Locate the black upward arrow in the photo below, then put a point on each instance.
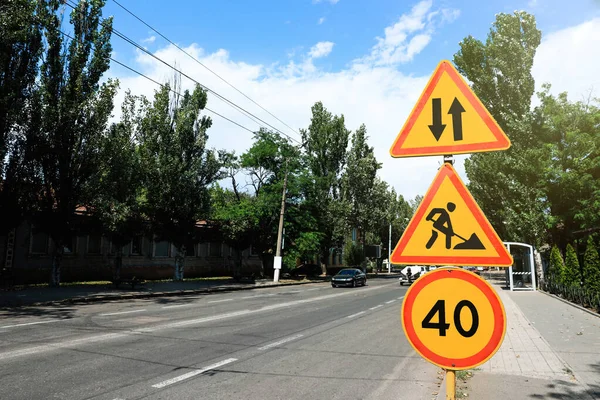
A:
(437, 128)
(456, 109)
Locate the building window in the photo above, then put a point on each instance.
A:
(190, 250)
(354, 234)
(70, 248)
(161, 249)
(136, 245)
(94, 244)
(215, 249)
(39, 243)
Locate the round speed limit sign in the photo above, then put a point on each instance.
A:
(453, 318)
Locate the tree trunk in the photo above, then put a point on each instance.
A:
(179, 263)
(539, 268)
(237, 268)
(56, 261)
(118, 264)
(323, 265)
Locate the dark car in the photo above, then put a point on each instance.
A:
(349, 277)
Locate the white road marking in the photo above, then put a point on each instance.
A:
(400, 298)
(193, 373)
(111, 336)
(48, 347)
(122, 312)
(355, 315)
(389, 302)
(219, 301)
(29, 323)
(373, 308)
(282, 341)
(178, 305)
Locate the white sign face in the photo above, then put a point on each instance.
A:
(277, 263)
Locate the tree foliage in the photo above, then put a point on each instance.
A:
(506, 184)
(21, 47)
(70, 113)
(591, 267)
(326, 142)
(178, 166)
(556, 268)
(572, 272)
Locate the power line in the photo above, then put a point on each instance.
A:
(199, 62)
(238, 108)
(163, 85)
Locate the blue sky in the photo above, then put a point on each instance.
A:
(269, 31)
(366, 60)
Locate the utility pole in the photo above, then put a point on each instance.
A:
(277, 261)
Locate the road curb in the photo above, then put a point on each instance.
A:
(130, 296)
(442, 392)
(571, 303)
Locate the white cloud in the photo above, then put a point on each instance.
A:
(150, 39)
(327, 1)
(321, 20)
(368, 91)
(321, 49)
(569, 59)
(410, 35)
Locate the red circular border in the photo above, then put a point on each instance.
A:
(499, 320)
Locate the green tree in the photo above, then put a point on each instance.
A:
(507, 184)
(326, 142)
(556, 268)
(353, 254)
(570, 133)
(234, 215)
(360, 183)
(591, 267)
(178, 166)
(114, 193)
(21, 47)
(72, 112)
(252, 217)
(572, 272)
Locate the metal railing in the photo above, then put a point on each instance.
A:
(576, 294)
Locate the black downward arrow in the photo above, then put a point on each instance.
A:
(456, 109)
(437, 128)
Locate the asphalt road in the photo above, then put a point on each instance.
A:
(298, 342)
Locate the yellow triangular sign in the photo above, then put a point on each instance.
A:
(448, 119)
(449, 228)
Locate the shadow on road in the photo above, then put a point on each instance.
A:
(571, 391)
(52, 312)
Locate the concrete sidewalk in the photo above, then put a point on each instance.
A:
(551, 351)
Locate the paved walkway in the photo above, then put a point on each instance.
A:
(551, 351)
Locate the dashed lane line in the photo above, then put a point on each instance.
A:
(356, 315)
(30, 323)
(282, 341)
(193, 373)
(219, 301)
(66, 344)
(122, 312)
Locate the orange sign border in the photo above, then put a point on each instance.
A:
(502, 141)
(454, 363)
(504, 259)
